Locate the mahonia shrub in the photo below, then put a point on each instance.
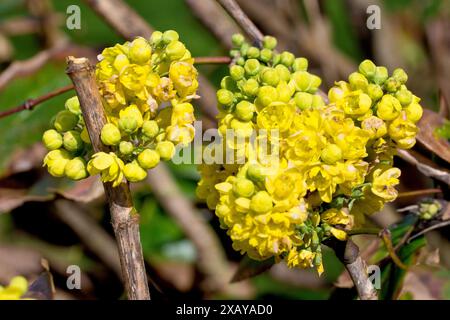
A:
(146, 88)
(334, 159)
(17, 287)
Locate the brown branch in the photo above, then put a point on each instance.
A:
(124, 218)
(31, 103)
(19, 26)
(212, 60)
(419, 192)
(348, 253)
(241, 18)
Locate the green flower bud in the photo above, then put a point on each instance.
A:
(244, 48)
(156, 37)
(225, 97)
(276, 59)
(56, 161)
(380, 76)
(300, 64)
(374, 91)
(75, 169)
(283, 72)
(368, 69)
(388, 108)
(237, 39)
(65, 121)
(126, 147)
(331, 154)
(400, 75)
(166, 150)
(133, 172)
(128, 124)
(255, 173)
(267, 95)
(253, 52)
(229, 84)
(269, 42)
(266, 55)
(261, 202)
(252, 67)
(110, 135)
(302, 80)
(285, 92)
(52, 139)
(72, 141)
(391, 85)
(270, 77)
(404, 96)
(315, 83)
(303, 100)
(250, 87)
(175, 50)
(287, 58)
(414, 112)
(240, 61)
(169, 36)
(244, 110)
(140, 51)
(150, 128)
(358, 81)
(237, 72)
(317, 101)
(243, 188)
(148, 159)
(73, 105)
(121, 62)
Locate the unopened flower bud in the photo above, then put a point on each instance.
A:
(391, 85)
(255, 173)
(253, 53)
(133, 172)
(317, 101)
(225, 97)
(110, 135)
(166, 150)
(374, 91)
(267, 95)
(65, 121)
(331, 154)
(75, 169)
(175, 50)
(126, 147)
(150, 128)
(250, 87)
(414, 112)
(72, 141)
(128, 124)
(52, 139)
(405, 97)
(388, 108)
(148, 159)
(237, 72)
(368, 69)
(252, 67)
(287, 58)
(156, 37)
(237, 39)
(300, 64)
(243, 188)
(261, 202)
(400, 75)
(380, 76)
(245, 110)
(169, 36)
(73, 105)
(121, 62)
(358, 81)
(302, 80)
(270, 77)
(303, 100)
(266, 55)
(269, 42)
(140, 51)
(283, 72)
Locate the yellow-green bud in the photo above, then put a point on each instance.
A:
(266, 55)
(65, 121)
(225, 97)
(380, 76)
(126, 147)
(52, 139)
(269, 42)
(244, 110)
(267, 95)
(140, 51)
(375, 126)
(317, 101)
(283, 72)
(400, 75)
(253, 52)
(358, 81)
(315, 83)
(175, 50)
(252, 67)
(75, 169)
(255, 173)
(391, 85)
(414, 112)
(244, 48)
(56, 161)
(156, 37)
(243, 188)
(120, 62)
(374, 91)
(150, 128)
(270, 77)
(73, 105)
(287, 58)
(85, 136)
(303, 100)
(368, 69)
(261, 202)
(388, 108)
(72, 141)
(302, 80)
(285, 92)
(250, 87)
(169, 36)
(331, 154)
(237, 39)
(133, 172)
(166, 149)
(237, 72)
(148, 159)
(240, 61)
(128, 124)
(110, 135)
(404, 96)
(229, 84)
(300, 64)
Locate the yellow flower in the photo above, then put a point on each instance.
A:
(285, 188)
(276, 116)
(355, 103)
(384, 182)
(184, 78)
(108, 165)
(17, 287)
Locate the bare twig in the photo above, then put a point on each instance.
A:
(348, 253)
(31, 103)
(433, 227)
(241, 18)
(125, 219)
(212, 60)
(19, 26)
(416, 193)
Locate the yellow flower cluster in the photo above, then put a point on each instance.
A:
(17, 287)
(146, 87)
(328, 164)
